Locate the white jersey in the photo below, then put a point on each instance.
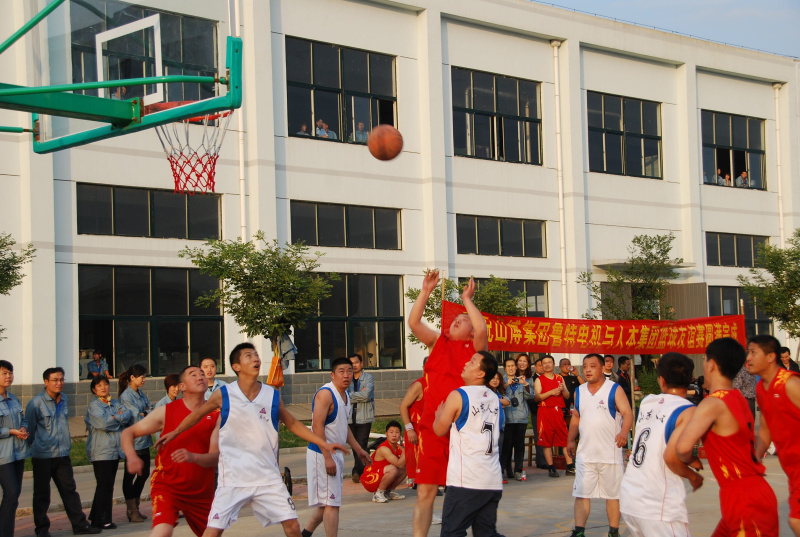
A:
(336, 423)
(599, 424)
(474, 457)
(649, 489)
(248, 437)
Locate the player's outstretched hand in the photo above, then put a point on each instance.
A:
(330, 466)
(696, 480)
(697, 464)
(134, 464)
(165, 439)
(364, 456)
(571, 449)
(337, 447)
(469, 290)
(182, 455)
(621, 440)
(430, 281)
(412, 436)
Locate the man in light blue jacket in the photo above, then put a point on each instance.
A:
(13, 449)
(362, 396)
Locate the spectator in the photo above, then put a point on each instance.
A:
(624, 377)
(608, 368)
(741, 180)
(134, 398)
(321, 131)
(786, 361)
(746, 383)
(48, 434)
(571, 380)
(172, 383)
(13, 449)
(97, 367)
(550, 392)
(533, 406)
(331, 135)
(360, 135)
(362, 396)
(727, 180)
(303, 130)
(388, 468)
(105, 419)
(518, 391)
(721, 181)
(209, 367)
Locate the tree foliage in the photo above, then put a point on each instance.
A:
(638, 290)
(491, 296)
(267, 288)
(11, 263)
(775, 283)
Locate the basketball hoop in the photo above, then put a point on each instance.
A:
(193, 167)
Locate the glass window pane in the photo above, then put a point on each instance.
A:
(739, 166)
(652, 158)
(529, 99)
(94, 209)
(727, 250)
(205, 341)
(170, 291)
(304, 222)
(131, 291)
(356, 76)
(612, 112)
(755, 127)
(511, 232)
(171, 49)
(173, 348)
(383, 112)
(722, 128)
(131, 212)
(387, 227)
(724, 166)
(714, 301)
(755, 166)
(307, 342)
(507, 100)
(298, 109)
(389, 296)
(633, 116)
(365, 342)
(483, 91)
(739, 124)
(330, 225)
(596, 152)
(95, 334)
(534, 238)
(511, 140)
(390, 344)
(488, 238)
(613, 153)
(744, 251)
(326, 114)
(169, 215)
(85, 23)
(536, 298)
(463, 133)
(203, 216)
(361, 290)
(381, 74)
(333, 342)
(199, 285)
(465, 234)
(707, 126)
(530, 142)
(633, 155)
(95, 287)
(462, 87)
(730, 301)
(594, 103)
(358, 124)
(199, 43)
(712, 249)
(326, 65)
(651, 124)
(709, 166)
(131, 344)
(484, 144)
(336, 304)
(360, 231)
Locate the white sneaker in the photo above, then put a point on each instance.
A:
(518, 476)
(380, 497)
(436, 520)
(524, 476)
(395, 496)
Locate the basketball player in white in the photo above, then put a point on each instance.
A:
(474, 479)
(652, 495)
(603, 417)
(248, 446)
(324, 469)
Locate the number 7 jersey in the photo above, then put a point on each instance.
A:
(474, 456)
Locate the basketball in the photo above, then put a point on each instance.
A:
(385, 142)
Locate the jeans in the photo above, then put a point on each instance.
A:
(513, 439)
(133, 484)
(361, 433)
(11, 483)
(105, 473)
(59, 469)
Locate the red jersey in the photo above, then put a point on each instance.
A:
(783, 418)
(372, 475)
(443, 373)
(415, 410)
(185, 478)
(557, 381)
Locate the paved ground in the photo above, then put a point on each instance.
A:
(539, 507)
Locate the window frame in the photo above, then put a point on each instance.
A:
(753, 239)
(346, 225)
(499, 222)
(753, 325)
(731, 148)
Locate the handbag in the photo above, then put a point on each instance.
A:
(275, 375)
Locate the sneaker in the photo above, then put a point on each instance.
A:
(524, 476)
(518, 476)
(570, 469)
(505, 481)
(436, 520)
(86, 530)
(439, 492)
(392, 495)
(576, 533)
(356, 478)
(380, 497)
(553, 472)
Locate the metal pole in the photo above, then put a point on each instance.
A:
(112, 84)
(30, 24)
(14, 130)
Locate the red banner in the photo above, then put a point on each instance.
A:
(581, 336)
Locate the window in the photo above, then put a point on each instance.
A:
(728, 250)
(364, 314)
(147, 316)
(534, 294)
(351, 226)
(624, 135)
(734, 301)
(188, 47)
(510, 237)
(733, 150)
(338, 93)
(139, 212)
(496, 117)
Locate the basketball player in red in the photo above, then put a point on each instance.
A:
(550, 392)
(724, 422)
(388, 467)
(177, 486)
(778, 396)
(443, 369)
(411, 412)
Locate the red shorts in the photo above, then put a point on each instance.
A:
(411, 457)
(432, 454)
(371, 478)
(552, 428)
(749, 509)
(794, 492)
(167, 504)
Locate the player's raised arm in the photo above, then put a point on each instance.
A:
(446, 413)
(214, 403)
(702, 420)
(152, 423)
(480, 335)
(423, 332)
(671, 456)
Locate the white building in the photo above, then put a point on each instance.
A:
(617, 127)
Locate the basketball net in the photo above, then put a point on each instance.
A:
(194, 167)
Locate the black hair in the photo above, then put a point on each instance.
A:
(208, 358)
(50, 370)
(340, 361)
(4, 364)
(548, 356)
(173, 379)
(527, 373)
(97, 380)
(136, 370)
(184, 370)
(500, 388)
(676, 369)
(488, 366)
(237, 352)
(356, 355)
(607, 356)
(565, 358)
(600, 359)
(623, 360)
(393, 423)
(768, 344)
(728, 354)
(783, 349)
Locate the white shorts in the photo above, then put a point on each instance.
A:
(271, 505)
(597, 480)
(644, 527)
(324, 489)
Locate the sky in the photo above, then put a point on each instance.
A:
(769, 25)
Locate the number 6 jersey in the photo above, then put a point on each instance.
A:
(474, 459)
(649, 489)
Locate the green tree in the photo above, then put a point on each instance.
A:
(11, 263)
(491, 296)
(267, 288)
(775, 283)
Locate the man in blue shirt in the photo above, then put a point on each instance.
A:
(98, 366)
(50, 441)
